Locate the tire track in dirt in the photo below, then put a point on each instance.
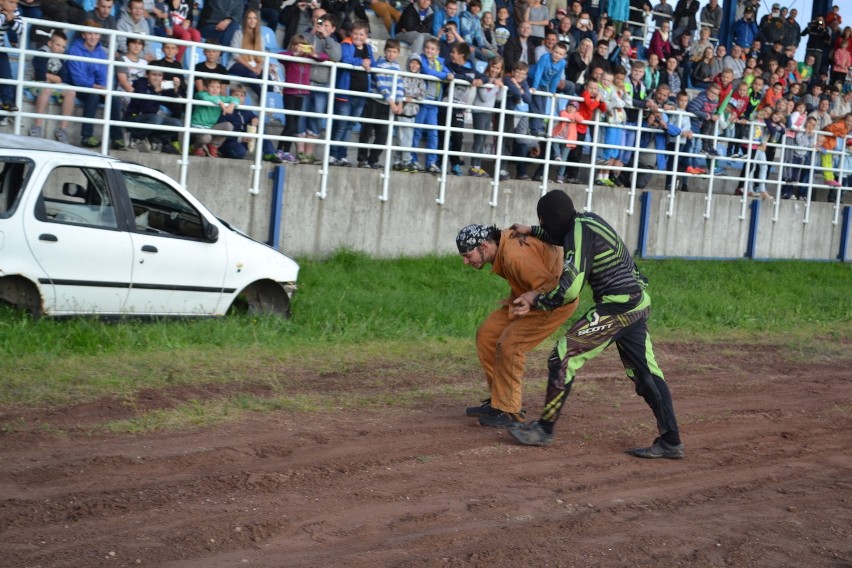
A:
(766, 483)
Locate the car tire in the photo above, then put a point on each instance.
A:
(262, 298)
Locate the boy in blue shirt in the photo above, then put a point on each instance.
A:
(434, 66)
(390, 87)
(355, 51)
(546, 75)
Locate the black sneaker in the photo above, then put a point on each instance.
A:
(483, 409)
(9, 106)
(659, 449)
(711, 152)
(531, 434)
(501, 420)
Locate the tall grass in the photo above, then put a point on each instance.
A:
(418, 312)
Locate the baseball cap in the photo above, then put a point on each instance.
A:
(776, 6)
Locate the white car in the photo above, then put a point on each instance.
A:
(82, 233)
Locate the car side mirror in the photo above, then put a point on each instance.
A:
(211, 231)
(71, 189)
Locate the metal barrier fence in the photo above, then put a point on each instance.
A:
(593, 145)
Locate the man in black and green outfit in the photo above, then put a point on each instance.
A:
(594, 253)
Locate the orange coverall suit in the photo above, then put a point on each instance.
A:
(503, 341)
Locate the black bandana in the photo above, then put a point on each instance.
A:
(555, 213)
(472, 236)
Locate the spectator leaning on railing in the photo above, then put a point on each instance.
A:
(390, 87)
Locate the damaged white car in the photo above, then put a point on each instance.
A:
(82, 233)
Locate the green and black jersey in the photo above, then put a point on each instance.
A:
(594, 253)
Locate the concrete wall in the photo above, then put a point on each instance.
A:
(411, 223)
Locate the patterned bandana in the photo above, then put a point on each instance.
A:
(471, 237)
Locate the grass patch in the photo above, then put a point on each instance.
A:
(377, 319)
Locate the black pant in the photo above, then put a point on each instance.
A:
(593, 333)
(90, 108)
(291, 125)
(377, 132)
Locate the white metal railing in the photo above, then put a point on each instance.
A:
(593, 145)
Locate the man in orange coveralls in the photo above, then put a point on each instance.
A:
(503, 340)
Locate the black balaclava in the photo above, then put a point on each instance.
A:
(555, 213)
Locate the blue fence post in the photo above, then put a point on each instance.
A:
(751, 245)
(644, 223)
(276, 206)
(843, 255)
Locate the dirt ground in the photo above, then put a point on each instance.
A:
(767, 480)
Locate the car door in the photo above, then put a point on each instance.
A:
(178, 268)
(76, 237)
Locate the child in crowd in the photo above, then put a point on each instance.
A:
(835, 141)
(795, 124)
(414, 89)
(612, 96)
(434, 66)
(242, 119)
(652, 72)
(813, 97)
(704, 109)
(682, 121)
(801, 156)
(390, 87)
(486, 98)
(565, 132)
(211, 64)
(179, 25)
(127, 75)
(772, 96)
(758, 165)
(298, 75)
(357, 52)
(10, 21)
(806, 68)
(592, 101)
(324, 47)
(503, 28)
(519, 99)
(545, 76)
(740, 101)
(461, 67)
(210, 117)
(172, 69)
(146, 110)
(54, 72)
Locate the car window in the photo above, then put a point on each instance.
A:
(14, 173)
(77, 196)
(159, 209)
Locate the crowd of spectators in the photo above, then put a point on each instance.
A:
(631, 61)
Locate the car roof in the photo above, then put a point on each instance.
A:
(29, 143)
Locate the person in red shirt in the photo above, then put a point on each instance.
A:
(772, 96)
(591, 102)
